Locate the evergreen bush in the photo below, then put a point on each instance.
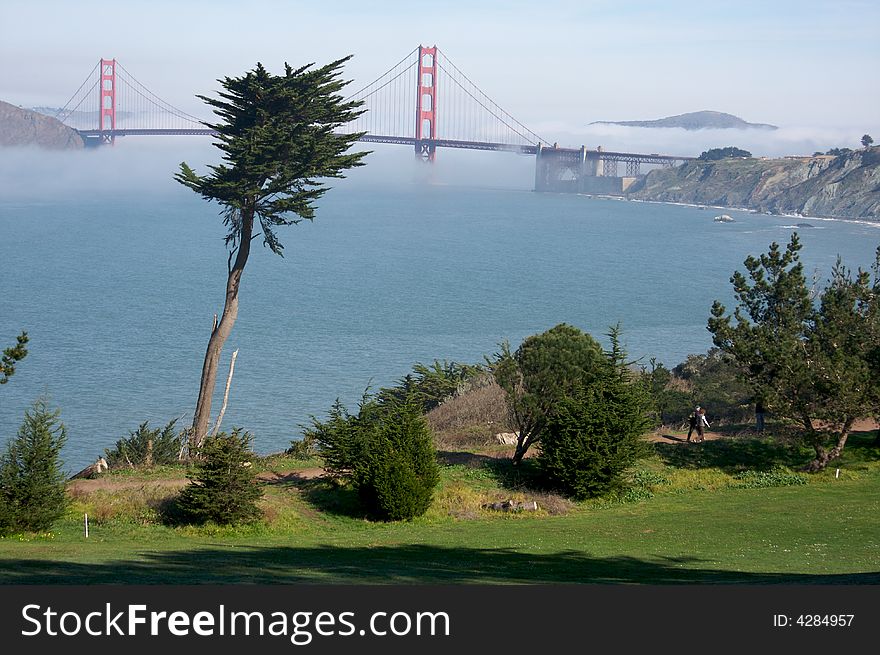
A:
(385, 451)
(32, 484)
(545, 368)
(340, 439)
(396, 477)
(146, 447)
(224, 487)
(303, 449)
(593, 436)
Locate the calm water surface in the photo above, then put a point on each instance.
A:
(118, 292)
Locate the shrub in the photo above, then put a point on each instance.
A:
(429, 386)
(145, 447)
(543, 370)
(384, 451)
(776, 477)
(304, 448)
(711, 380)
(593, 436)
(7, 518)
(32, 485)
(340, 439)
(714, 154)
(396, 477)
(472, 417)
(224, 488)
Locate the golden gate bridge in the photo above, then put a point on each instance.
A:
(424, 101)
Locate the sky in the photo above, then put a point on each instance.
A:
(807, 66)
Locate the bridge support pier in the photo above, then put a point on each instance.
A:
(565, 170)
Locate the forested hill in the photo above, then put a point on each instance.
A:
(847, 186)
(695, 120)
(21, 127)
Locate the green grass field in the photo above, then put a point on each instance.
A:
(707, 513)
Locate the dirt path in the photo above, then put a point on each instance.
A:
(116, 483)
(290, 476)
(669, 436)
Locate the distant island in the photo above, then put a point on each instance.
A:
(22, 127)
(696, 120)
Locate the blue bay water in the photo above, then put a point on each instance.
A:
(117, 290)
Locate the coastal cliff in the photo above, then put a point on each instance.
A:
(847, 186)
(21, 127)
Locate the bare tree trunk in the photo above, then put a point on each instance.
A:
(221, 332)
(522, 445)
(216, 429)
(823, 456)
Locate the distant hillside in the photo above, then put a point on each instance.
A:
(696, 120)
(847, 186)
(22, 127)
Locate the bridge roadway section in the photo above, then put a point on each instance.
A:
(556, 169)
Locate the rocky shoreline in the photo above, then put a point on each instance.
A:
(845, 187)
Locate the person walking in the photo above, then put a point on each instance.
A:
(701, 421)
(692, 421)
(759, 415)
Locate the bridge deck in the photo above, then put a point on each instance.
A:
(564, 153)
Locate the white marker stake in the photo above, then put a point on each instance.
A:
(86, 524)
(837, 475)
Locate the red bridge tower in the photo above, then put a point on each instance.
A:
(108, 99)
(426, 103)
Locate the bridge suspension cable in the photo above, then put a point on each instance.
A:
(487, 121)
(464, 112)
(424, 101)
(65, 112)
(387, 111)
(137, 99)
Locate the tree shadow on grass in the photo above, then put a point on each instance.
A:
(463, 458)
(731, 455)
(402, 564)
(757, 454)
(525, 476)
(329, 496)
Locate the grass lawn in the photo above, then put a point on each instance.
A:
(707, 513)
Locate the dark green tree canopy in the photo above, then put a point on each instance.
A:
(278, 142)
(773, 314)
(594, 435)
(545, 368)
(715, 154)
(32, 489)
(809, 360)
(11, 356)
(224, 488)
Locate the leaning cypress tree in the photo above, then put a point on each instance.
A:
(277, 134)
(32, 490)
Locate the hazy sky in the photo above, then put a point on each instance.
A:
(556, 66)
